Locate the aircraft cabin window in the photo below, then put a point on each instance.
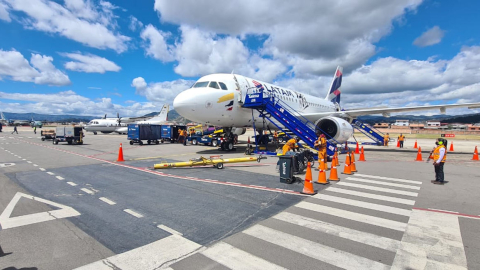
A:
(224, 87)
(200, 84)
(214, 85)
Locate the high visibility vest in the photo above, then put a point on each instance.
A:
(275, 134)
(436, 153)
(386, 138)
(401, 138)
(291, 143)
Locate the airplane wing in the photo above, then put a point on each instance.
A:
(386, 111)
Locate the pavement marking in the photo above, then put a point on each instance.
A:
(235, 258)
(87, 191)
(447, 212)
(29, 162)
(371, 196)
(339, 231)
(133, 213)
(381, 222)
(35, 165)
(432, 241)
(367, 205)
(12, 222)
(389, 178)
(314, 250)
(42, 169)
(71, 184)
(170, 230)
(382, 183)
(60, 178)
(387, 190)
(51, 173)
(439, 210)
(24, 159)
(107, 200)
(157, 255)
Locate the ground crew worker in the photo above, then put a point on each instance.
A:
(15, 129)
(290, 145)
(81, 137)
(275, 136)
(401, 138)
(321, 145)
(35, 129)
(386, 138)
(439, 158)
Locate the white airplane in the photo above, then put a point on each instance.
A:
(109, 125)
(159, 119)
(217, 100)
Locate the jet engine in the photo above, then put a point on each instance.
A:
(336, 128)
(239, 131)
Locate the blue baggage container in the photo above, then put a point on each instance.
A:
(136, 133)
(170, 132)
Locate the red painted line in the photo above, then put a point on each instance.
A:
(174, 176)
(447, 212)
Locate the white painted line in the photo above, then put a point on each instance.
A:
(343, 232)
(366, 205)
(157, 255)
(235, 258)
(71, 184)
(87, 191)
(60, 178)
(371, 196)
(444, 210)
(314, 250)
(29, 162)
(133, 213)
(382, 222)
(389, 178)
(24, 159)
(35, 165)
(107, 201)
(42, 169)
(258, 186)
(51, 173)
(381, 183)
(387, 190)
(231, 182)
(432, 240)
(170, 230)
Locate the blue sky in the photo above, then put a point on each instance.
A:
(92, 57)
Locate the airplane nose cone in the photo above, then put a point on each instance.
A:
(185, 104)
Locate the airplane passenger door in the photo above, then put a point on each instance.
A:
(243, 86)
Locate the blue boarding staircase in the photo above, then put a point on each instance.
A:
(369, 131)
(287, 118)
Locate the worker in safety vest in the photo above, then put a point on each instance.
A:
(401, 138)
(290, 145)
(439, 158)
(321, 145)
(275, 136)
(386, 138)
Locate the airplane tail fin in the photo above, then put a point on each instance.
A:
(2, 117)
(163, 115)
(333, 94)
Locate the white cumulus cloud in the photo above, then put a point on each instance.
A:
(4, 13)
(430, 37)
(89, 63)
(157, 46)
(160, 91)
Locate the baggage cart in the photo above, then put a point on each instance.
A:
(71, 135)
(138, 133)
(48, 134)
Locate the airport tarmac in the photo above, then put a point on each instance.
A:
(67, 207)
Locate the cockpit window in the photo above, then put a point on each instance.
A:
(200, 84)
(214, 85)
(224, 87)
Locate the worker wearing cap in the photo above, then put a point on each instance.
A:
(386, 138)
(401, 138)
(439, 158)
(290, 145)
(321, 145)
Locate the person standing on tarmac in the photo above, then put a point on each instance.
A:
(321, 145)
(290, 145)
(401, 138)
(386, 138)
(35, 129)
(15, 129)
(185, 134)
(439, 158)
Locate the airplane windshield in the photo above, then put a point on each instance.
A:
(224, 87)
(200, 84)
(214, 85)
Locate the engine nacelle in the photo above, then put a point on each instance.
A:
(336, 128)
(239, 131)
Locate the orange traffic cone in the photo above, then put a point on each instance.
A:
(120, 154)
(362, 155)
(308, 186)
(416, 146)
(451, 147)
(419, 154)
(336, 159)
(475, 154)
(357, 149)
(248, 140)
(398, 143)
(352, 163)
(333, 172)
(321, 164)
(322, 178)
(347, 169)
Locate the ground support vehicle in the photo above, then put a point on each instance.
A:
(170, 133)
(71, 135)
(138, 133)
(48, 134)
(203, 139)
(216, 161)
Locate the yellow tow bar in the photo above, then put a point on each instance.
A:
(216, 161)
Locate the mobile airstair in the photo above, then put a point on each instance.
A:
(369, 131)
